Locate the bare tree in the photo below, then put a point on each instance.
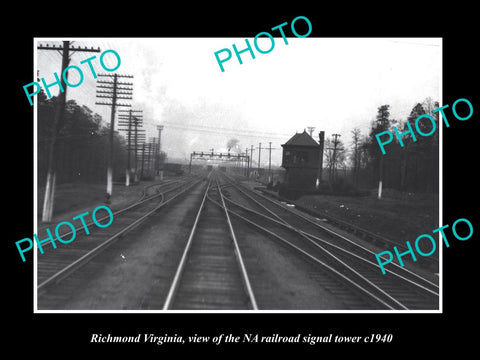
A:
(355, 155)
(334, 155)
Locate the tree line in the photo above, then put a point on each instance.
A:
(82, 144)
(411, 168)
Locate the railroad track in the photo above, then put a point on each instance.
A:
(153, 189)
(211, 273)
(340, 258)
(375, 239)
(59, 263)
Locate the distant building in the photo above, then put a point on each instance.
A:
(301, 159)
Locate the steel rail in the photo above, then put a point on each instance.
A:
(136, 204)
(354, 271)
(183, 261)
(376, 238)
(341, 262)
(374, 264)
(312, 236)
(95, 251)
(181, 266)
(327, 230)
(311, 257)
(165, 182)
(238, 253)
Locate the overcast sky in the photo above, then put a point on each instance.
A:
(333, 84)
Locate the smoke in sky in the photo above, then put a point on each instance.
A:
(233, 145)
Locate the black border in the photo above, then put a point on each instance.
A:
(49, 334)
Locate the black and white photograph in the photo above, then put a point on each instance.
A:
(231, 187)
(209, 181)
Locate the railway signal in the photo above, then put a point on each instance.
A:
(196, 155)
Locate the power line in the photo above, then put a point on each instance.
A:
(226, 131)
(64, 50)
(114, 86)
(130, 124)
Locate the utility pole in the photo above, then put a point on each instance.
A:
(259, 150)
(190, 164)
(241, 161)
(65, 51)
(154, 157)
(270, 162)
(129, 145)
(251, 157)
(151, 156)
(247, 170)
(159, 172)
(149, 150)
(143, 161)
(380, 176)
(153, 148)
(137, 122)
(130, 124)
(114, 90)
(321, 138)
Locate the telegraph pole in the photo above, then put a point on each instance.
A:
(334, 159)
(149, 150)
(143, 160)
(114, 90)
(380, 176)
(251, 157)
(380, 179)
(248, 163)
(269, 161)
(321, 137)
(65, 51)
(129, 144)
(151, 156)
(159, 172)
(259, 150)
(130, 123)
(137, 122)
(190, 164)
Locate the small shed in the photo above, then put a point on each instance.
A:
(301, 159)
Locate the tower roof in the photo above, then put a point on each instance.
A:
(301, 139)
